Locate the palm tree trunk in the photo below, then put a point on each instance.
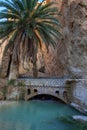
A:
(35, 71)
(13, 71)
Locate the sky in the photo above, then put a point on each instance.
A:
(1, 7)
(3, 0)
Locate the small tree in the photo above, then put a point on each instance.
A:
(27, 25)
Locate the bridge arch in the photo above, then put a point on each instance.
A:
(45, 97)
(42, 93)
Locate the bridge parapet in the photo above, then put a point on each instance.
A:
(42, 82)
(48, 82)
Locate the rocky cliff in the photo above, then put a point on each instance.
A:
(70, 57)
(75, 37)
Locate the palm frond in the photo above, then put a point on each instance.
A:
(9, 6)
(28, 24)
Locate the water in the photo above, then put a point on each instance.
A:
(36, 115)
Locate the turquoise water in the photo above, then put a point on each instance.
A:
(35, 115)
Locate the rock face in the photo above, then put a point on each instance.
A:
(5, 66)
(70, 57)
(4, 61)
(75, 36)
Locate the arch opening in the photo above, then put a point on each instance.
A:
(57, 92)
(28, 91)
(35, 90)
(45, 97)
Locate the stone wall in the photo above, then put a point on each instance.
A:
(77, 90)
(80, 92)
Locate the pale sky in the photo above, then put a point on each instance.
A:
(3, 0)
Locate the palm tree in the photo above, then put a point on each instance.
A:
(27, 24)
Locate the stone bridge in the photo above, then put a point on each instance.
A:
(50, 86)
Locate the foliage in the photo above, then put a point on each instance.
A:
(21, 83)
(11, 82)
(27, 25)
(4, 91)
